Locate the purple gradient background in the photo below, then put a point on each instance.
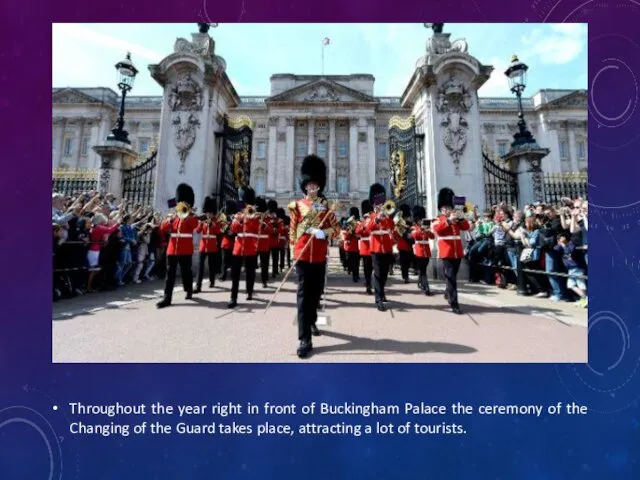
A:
(34, 440)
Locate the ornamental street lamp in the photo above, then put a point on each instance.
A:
(126, 77)
(517, 75)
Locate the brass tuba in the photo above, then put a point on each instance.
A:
(183, 210)
(388, 208)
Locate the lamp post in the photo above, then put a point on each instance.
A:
(126, 77)
(517, 75)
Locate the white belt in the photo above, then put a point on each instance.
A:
(249, 235)
(452, 237)
(381, 232)
(422, 242)
(181, 235)
(263, 236)
(209, 236)
(366, 239)
(282, 238)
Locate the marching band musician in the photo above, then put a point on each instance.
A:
(341, 251)
(283, 239)
(264, 240)
(274, 238)
(246, 227)
(447, 228)
(351, 247)
(421, 234)
(364, 245)
(402, 236)
(209, 229)
(226, 244)
(380, 228)
(180, 249)
(313, 224)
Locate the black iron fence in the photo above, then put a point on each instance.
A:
(74, 181)
(138, 182)
(500, 184)
(566, 184)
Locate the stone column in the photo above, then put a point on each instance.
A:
(353, 154)
(290, 149)
(572, 148)
(271, 155)
(80, 141)
(528, 164)
(63, 126)
(113, 157)
(311, 143)
(371, 149)
(331, 187)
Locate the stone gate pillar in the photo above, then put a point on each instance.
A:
(113, 158)
(197, 96)
(443, 96)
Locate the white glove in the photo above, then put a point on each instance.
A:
(319, 234)
(311, 230)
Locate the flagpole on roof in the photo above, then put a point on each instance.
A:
(325, 42)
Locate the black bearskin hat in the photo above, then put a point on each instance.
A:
(366, 207)
(418, 213)
(272, 205)
(313, 169)
(261, 204)
(248, 196)
(376, 190)
(445, 198)
(184, 194)
(280, 213)
(406, 210)
(353, 212)
(210, 205)
(230, 207)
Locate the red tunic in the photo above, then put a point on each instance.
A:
(350, 241)
(276, 228)
(283, 235)
(403, 245)
(448, 236)
(308, 213)
(381, 233)
(421, 248)
(264, 241)
(181, 231)
(364, 242)
(227, 239)
(208, 240)
(246, 230)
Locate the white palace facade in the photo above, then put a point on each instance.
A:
(337, 117)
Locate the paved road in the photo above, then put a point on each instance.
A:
(498, 326)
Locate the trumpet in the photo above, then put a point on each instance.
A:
(388, 208)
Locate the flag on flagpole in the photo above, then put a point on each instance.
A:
(326, 41)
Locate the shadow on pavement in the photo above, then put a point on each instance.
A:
(388, 345)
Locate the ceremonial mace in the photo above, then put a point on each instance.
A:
(286, 276)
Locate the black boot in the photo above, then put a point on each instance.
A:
(456, 309)
(304, 349)
(369, 291)
(232, 303)
(197, 290)
(163, 303)
(250, 296)
(314, 331)
(188, 296)
(381, 306)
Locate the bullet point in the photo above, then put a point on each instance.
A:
(55, 407)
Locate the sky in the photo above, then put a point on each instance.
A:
(84, 55)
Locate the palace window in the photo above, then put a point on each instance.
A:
(343, 185)
(143, 145)
(581, 150)
(322, 149)
(503, 147)
(382, 151)
(260, 186)
(302, 147)
(260, 150)
(85, 146)
(563, 150)
(342, 149)
(68, 147)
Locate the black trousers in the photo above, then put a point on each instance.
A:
(275, 253)
(185, 270)
(381, 264)
(423, 281)
(212, 260)
(343, 257)
(217, 262)
(264, 266)
(450, 267)
(367, 266)
(310, 288)
(288, 250)
(353, 262)
(227, 261)
(250, 264)
(405, 262)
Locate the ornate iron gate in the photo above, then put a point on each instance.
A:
(138, 182)
(402, 160)
(236, 157)
(500, 184)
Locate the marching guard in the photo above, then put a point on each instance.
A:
(264, 239)
(313, 224)
(283, 239)
(226, 243)
(180, 249)
(209, 229)
(276, 226)
(380, 227)
(246, 227)
(421, 233)
(404, 241)
(447, 228)
(351, 247)
(364, 245)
